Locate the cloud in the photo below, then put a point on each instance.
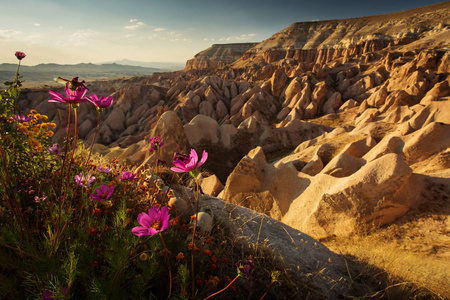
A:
(136, 25)
(37, 24)
(81, 34)
(8, 34)
(244, 37)
(159, 29)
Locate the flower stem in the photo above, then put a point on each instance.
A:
(168, 262)
(216, 293)
(93, 140)
(193, 236)
(267, 290)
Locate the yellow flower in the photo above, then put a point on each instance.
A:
(49, 133)
(44, 126)
(52, 125)
(35, 144)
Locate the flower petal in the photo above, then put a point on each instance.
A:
(204, 158)
(140, 231)
(144, 220)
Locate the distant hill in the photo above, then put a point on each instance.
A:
(168, 66)
(44, 74)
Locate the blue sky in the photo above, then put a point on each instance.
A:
(69, 32)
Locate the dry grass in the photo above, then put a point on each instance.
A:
(419, 264)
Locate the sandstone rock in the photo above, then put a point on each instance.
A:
(350, 103)
(332, 104)
(441, 89)
(399, 114)
(343, 165)
(389, 144)
(367, 116)
(426, 142)
(250, 124)
(171, 130)
(278, 81)
(437, 111)
(314, 166)
(211, 185)
(378, 98)
(247, 175)
(371, 197)
(116, 120)
(360, 147)
(202, 127)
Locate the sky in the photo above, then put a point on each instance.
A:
(97, 31)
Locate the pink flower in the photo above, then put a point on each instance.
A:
(127, 176)
(102, 102)
(81, 179)
(155, 221)
(156, 142)
(102, 193)
(20, 55)
(189, 164)
(103, 170)
(21, 118)
(74, 90)
(54, 149)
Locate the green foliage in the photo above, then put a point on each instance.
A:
(55, 240)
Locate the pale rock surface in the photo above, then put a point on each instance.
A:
(427, 141)
(343, 165)
(202, 127)
(371, 197)
(314, 166)
(211, 185)
(389, 144)
(360, 147)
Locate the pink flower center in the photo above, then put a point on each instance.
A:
(156, 225)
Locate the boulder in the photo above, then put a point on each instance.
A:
(343, 165)
(426, 142)
(211, 185)
(360, 147)
(202, 127)
(300, 254)
(373, 196)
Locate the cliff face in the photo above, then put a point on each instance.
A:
(218, 55)
(324, 41)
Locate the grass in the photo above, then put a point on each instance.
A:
(407, 273)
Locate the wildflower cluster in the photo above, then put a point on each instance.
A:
(35, 127)
(72, 228)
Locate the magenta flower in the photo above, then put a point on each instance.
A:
(81, 179)
(54, 149)
(155, 221)
(21, 118)
(127, 176)
(189, 164)
(37, 199)
(20, 55)
(103, 170)
(102, 193)
(74, 90)
(245, 268)
(156, 143)
(102, 102)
